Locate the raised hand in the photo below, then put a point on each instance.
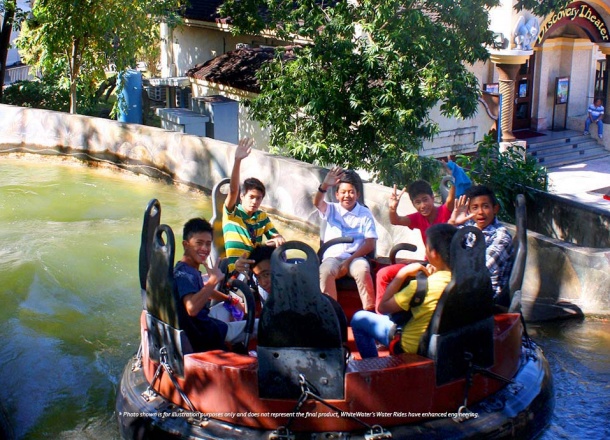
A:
(333, 177)
(395, 198)
(460, 215)
(215, 274)
(244, 147)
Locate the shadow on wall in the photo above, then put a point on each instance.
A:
(568, 220)
(568, 262)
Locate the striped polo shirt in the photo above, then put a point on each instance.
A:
(242, 232)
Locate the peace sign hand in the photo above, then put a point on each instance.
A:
(395, 198)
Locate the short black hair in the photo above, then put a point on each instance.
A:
(419, 187)
(253, 183)
(481, 190)
(195, 226)
(261, 253)
(439, 238)
(351, 177)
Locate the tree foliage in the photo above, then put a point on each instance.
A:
(507, 173)
(46, 94)
(359, 94)
(79, 39)
(542, 8)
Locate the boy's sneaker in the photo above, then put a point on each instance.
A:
(601, 137)
(585, 133)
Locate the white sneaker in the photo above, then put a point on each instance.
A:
(601, 137)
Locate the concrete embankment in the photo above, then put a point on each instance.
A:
(568, 257)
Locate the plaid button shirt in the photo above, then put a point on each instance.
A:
(498, 255)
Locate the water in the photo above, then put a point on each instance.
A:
(579, 355)
(69, 291)
(70, 303)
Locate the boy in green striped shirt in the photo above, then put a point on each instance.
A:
(243, 223)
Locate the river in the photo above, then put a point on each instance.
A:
(70, 303)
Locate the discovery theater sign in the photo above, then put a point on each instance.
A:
(580, 14)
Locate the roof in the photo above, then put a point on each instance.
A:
(204, 10)
(236, 68)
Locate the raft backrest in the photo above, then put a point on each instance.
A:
(163, 309)
(445, 186)
(299, 331)
(219, 195)
(463, 319)
(519, 247)
(152, 219)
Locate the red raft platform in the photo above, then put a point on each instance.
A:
(477, 374)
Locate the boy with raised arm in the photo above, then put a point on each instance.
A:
(346, 218)
(243, 223)
(422, 198)
(427, 214)
(479, 207)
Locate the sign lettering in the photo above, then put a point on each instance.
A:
(576, 11)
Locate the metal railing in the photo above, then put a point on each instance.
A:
(14, 74)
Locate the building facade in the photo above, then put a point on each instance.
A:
(542, 74)
(15, 69)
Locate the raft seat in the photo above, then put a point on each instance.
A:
(403, 360)
(300, 335)
(221, 359)
(226, 383)
(461, 330)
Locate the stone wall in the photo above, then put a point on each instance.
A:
(563, 279)
(568, 255)
(569, 220)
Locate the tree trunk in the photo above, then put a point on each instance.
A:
(73, 96)
(74, 72)
(10, 7)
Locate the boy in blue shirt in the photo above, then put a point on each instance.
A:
(346, 218)
(196, 290)
(479, 207)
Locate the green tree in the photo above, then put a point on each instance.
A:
(8, 9)
(79, 39)
(359, 91)
(507, 173)
(541, 8)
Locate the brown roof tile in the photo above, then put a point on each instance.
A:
(236, 68)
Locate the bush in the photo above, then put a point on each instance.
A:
(37, 94)
(507, 173)
(47, 93)
(412, 167)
